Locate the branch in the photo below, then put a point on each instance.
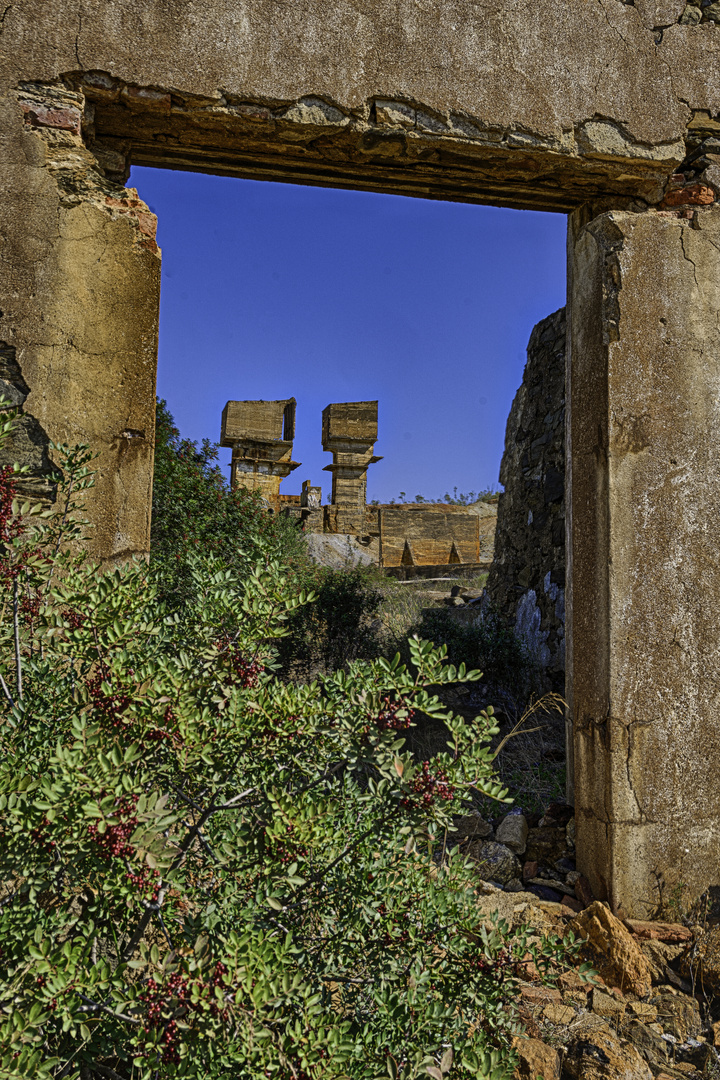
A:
(6, 692)
(326, 870)
(231, 802)
(97, 1006)
(16, 629)
(105, 1070)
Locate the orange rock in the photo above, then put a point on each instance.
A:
(658, 931)
(536, 1060)
(612, 950)
(690, 195)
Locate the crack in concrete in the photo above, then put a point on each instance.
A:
(2, 17)
(77, 43)
(611, 25)
(687, 257)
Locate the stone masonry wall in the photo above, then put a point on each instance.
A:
(527, 579)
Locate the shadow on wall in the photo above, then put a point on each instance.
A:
(526, 584)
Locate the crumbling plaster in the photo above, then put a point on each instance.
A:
(535, 104)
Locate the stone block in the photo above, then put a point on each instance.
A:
(614, 953)
(495, 862)
(512, 831)
(40, 115)
(536, 1059)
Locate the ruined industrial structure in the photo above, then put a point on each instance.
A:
(608, 112)
(408, 538)
(261, 435)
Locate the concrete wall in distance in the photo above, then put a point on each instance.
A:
(426, 535)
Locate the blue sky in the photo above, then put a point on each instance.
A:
(278, 290)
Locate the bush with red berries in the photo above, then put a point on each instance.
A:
(210, 872)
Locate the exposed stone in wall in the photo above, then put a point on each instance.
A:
(28, 443)
(527, 579)
(152, 126)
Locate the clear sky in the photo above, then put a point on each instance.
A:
(276, 290)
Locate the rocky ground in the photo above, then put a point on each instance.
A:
(652, 1010)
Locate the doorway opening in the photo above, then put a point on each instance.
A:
(339, 298)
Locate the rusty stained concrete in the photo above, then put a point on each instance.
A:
(81, 286)
(535, 104)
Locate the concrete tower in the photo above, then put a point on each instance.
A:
(261, 435)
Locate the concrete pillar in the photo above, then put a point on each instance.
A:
(643, 553)
(79, 301)
(349, 431)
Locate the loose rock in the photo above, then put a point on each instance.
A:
(495, 861)
(536, 1059)
(658, 931)
(599, 1055)
(607, 1006)
(471, 826)
(659, 955)
(617, 957)
(546, 845)
(559, 1014)
(650, 1044)
(679, 1015)
(644, 1011)
(512, 831)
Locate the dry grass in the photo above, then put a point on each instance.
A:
(404, 601)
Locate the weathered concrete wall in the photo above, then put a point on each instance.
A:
(261, 435)
(526, 583)
(349, 431)
(80, 292)
(535, 104)
(644, 604)
(427, 535)
(551, 103)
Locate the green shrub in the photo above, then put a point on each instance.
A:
(338, 627)
(194, 510)
(488, 644)
(208, 872)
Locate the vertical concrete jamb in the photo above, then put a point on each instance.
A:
(643, 567)
(79, 301)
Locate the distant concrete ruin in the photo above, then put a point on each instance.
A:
(261, 435)
(349, 431)
(408, 539)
